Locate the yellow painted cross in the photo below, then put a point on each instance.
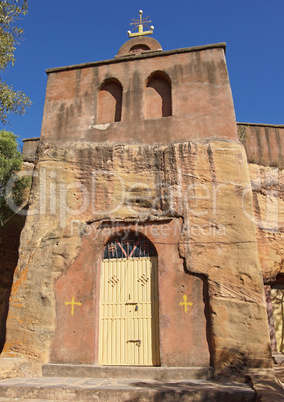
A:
(73, 303)
(185, 304)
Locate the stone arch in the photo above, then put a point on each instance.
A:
(109, 101)
(158, 96)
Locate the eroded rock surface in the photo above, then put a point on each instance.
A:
(268, 201)
(202, 188)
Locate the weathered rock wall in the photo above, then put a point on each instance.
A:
(264, 146)
(268, 200)
(9, 249)
(9, 252)
(205, 186)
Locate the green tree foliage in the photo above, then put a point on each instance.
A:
(10, 101)
(13, 192)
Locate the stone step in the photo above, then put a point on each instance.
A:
(279, 372)
(278, 358)
(127, 372)
(110, 390)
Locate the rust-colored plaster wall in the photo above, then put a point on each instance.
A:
(183, 335)
(202, 105)
(264, 143)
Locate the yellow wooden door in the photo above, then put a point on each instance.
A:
(129, 312)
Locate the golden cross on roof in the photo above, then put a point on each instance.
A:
(140, 23)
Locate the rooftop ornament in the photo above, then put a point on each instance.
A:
(139, 24)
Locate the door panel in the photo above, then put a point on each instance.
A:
(129, 312)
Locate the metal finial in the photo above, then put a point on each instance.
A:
(139, 24)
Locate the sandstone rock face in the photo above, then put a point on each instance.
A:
(9, 252)
(9, 246)
(193, 200)
(268, 200)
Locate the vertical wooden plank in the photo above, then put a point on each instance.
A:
(100, 317)
(135, 312)
(156, 311)
(149, 312)
(120, 322)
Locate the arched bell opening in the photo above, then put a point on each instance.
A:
(158, 96)
(109, 102)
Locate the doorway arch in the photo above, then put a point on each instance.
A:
(128, 326)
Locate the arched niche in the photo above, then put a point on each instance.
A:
(139, 48)
(109, 102)
(129, 245)
(158, 96)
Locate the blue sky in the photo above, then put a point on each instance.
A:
(64, 32)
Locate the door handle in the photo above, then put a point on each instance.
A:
(137, 341)
(130, 303)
